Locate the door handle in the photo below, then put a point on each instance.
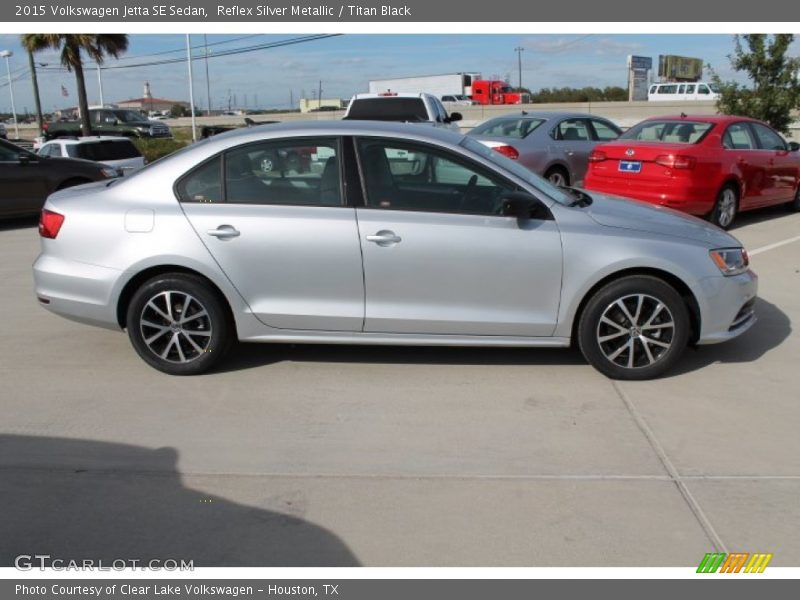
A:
(384, 238)
(224, 232)
(569, 152)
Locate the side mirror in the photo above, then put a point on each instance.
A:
(25, 159)
(456, 116)
(522, 205)
(794, 146)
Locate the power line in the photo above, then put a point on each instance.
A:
(231, 52)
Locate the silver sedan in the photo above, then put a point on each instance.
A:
(556, 145)
(388, 234)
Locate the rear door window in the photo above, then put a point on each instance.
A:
(738, 137)
(572, 130)
(605, 131)
(768, 139)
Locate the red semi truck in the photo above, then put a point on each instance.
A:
(472, 85)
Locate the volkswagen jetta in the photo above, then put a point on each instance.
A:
(391, 234)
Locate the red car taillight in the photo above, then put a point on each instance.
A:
(50, 223)
(45, 126)
(597, 156)
(676, 161)
(508, 151)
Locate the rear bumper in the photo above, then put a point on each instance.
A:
(729, 307)
(693, 199)
(78, 291)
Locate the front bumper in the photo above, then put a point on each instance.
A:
(728, 307)
(78, 291)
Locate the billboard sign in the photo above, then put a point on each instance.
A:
(679, 68)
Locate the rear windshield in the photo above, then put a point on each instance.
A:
(513, 128)
(672, 132)
(388, 109)
(104, 150)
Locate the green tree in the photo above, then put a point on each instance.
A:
(774, 91)
(73, 46)
(179, 110)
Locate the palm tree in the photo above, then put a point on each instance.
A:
(72, 46)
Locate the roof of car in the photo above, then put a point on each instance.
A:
(706, 118)
(390, 94)
(545, 114)
(91, 138)
(337, 127)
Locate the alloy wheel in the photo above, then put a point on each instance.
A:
(726, 211)
(557, 178)
(175, 326)
(635, 331)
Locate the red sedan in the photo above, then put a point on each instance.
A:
(713, 166)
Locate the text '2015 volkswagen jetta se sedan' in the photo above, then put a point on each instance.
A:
(391, 234)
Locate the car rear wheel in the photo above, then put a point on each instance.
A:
(557, 176)
(634, 328)
(726, 206)
(178, 324)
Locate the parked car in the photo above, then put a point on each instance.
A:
(26, 179)
(110, 121)
(714, 166)
(396, 235)
(118, 152)
(556, 145)
(458, 100)
(665, 92)
(3, 132)
(408, 108)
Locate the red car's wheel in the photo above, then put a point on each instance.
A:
(726, 207)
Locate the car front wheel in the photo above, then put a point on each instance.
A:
(178, 324)
(634, 328)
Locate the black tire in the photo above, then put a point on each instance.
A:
(794, 205)
(557, 176)
(724, 213)
(650, 358)
(181, 340)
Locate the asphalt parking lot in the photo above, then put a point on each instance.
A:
(325, 455)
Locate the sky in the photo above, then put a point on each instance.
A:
(269, 78)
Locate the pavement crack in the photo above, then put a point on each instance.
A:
(688, 497)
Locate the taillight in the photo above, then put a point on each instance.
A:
(597, 156)
(676, 161)
(507, 150)
(50, 223)
(45, 126)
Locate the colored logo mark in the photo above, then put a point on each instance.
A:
(737, 562)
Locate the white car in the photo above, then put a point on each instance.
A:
(118, 152)
(457, 100)
(401, 107)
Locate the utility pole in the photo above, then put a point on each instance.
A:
(319, 95)
(191, 85)
(39, 118)
(100, 85)
(519, 50)
(208, 81)
(7, 54)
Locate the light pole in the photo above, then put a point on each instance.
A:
(8, 54)
(100, 86)
(191, 85)
(208, 81)
(519, 50)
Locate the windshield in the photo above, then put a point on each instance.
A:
(518, 170)
(671, 132)
(518, 128)
(129, 116)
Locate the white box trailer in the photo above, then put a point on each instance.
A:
(438, 85)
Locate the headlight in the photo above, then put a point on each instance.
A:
(109, 172)
(731, 261)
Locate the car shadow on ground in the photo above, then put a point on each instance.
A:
(78, 499)
(771, 329)
(753, 217)
(19, 223)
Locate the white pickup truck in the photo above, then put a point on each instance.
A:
(393, 106)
